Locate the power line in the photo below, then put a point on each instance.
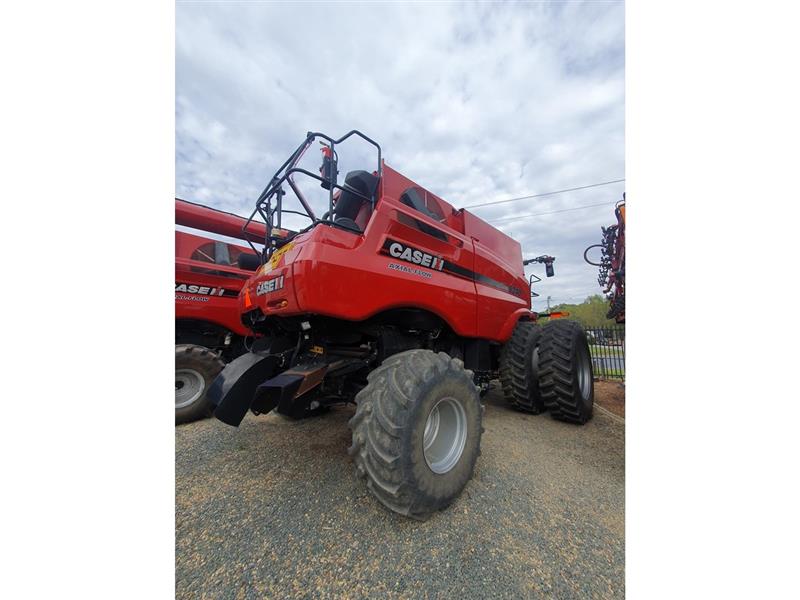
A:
(583, 187)
(552, 212)
(578, 296)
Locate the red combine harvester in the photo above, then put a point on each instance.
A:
(395, 300)
(208, 330)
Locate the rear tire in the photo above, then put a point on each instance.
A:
(195, 369)
(519, 368)
(566, 379)
(417, 431)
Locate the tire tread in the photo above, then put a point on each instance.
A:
(515, 372)
(383, 411)
(205, 361)
(557, 377)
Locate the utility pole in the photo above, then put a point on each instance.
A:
(548, 303)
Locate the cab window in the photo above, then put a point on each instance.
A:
(218, 253)
(425, 203)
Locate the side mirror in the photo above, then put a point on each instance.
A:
(547, 261)
(248, 262)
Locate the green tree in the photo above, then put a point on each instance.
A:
(589, 313)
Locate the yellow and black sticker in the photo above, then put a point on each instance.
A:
(276, 256)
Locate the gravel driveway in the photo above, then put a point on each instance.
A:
(274, 510)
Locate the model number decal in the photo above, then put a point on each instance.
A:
(405, 269)
(192, 298)
(414, 256)
(269, 285)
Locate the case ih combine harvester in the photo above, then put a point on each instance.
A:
(396, 301)
(208, 330)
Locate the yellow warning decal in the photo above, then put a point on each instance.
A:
(276, 256)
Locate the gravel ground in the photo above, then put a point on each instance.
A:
(274, 510)
(611, 396)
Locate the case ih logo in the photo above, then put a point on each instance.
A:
(199, 289)
(270, 285)
(423, 259)
(414, 256)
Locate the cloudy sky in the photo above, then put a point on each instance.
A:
(475, 102)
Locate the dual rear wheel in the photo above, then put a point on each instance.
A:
(549, 368)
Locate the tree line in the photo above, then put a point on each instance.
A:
(589, 313)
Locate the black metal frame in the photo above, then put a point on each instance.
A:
(543, 259)
(531, 281)
(608, 357)
(274, 190)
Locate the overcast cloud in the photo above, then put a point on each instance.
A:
(475, 102)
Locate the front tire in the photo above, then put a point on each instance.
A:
(566, 379)
(195, 369)
(417, 431)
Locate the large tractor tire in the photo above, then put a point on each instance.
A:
(417, 431)
(566, 380)
(195, 369)
(519, 368)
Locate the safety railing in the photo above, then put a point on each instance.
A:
(607, 348)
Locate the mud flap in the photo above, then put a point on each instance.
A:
(232, 392)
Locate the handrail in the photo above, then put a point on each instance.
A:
(274, 190)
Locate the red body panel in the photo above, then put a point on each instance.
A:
(469, 274)
(207, 278)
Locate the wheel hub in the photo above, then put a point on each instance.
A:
(445, 435)
(584, 373)
(189, 386)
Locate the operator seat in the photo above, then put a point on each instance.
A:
(351, 209)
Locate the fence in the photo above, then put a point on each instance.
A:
(607, 347)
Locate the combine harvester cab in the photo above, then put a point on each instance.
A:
(397, 301)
